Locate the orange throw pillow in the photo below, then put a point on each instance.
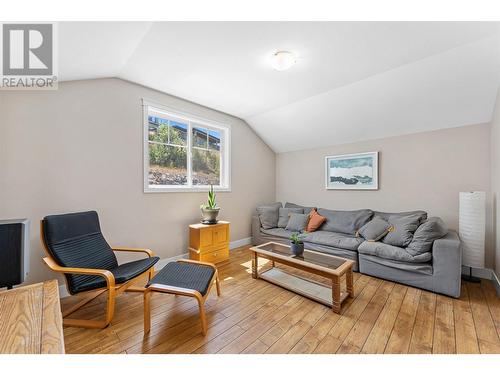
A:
(315, 221)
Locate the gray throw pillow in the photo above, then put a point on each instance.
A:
(297, 222)
(375, 229)
(268, 215)
(425, 235)
(402, 230)
(284, 215)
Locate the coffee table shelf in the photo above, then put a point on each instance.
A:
(320, 264)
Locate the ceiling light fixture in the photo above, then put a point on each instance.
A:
(283, 60)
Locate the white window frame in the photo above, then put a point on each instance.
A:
(225, 149)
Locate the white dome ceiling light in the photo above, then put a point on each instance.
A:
(283, 60)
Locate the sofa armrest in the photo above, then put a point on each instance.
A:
(447, 264)
(256, 237)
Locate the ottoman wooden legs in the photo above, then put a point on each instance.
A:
(170, 289)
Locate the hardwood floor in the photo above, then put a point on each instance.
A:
(253, 316)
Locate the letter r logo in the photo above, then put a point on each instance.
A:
(27, 49)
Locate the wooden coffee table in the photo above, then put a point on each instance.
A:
(320, 264)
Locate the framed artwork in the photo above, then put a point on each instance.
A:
(352, 171)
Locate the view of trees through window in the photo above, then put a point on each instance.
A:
(168, 153)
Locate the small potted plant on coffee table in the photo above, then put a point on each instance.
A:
(209, 210)
(296, 243)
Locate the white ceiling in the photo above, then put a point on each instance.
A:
(353, 80)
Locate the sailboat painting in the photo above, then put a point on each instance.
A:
(353, 171)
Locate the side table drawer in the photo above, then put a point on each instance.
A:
(215, 256)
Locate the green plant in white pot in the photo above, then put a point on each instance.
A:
(209, 210)
(296, 243)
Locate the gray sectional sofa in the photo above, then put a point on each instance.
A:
(430, 261)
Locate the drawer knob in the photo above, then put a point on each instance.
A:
(215, 254)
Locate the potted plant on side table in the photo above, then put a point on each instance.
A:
(209, 210)
(296, 243)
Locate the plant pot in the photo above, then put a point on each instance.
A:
(209, 215)
(297, 248)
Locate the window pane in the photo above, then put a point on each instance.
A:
(206, 167)
(167, 165)
(178, 133)
(214, 140)
(199, 137)
(158, 129)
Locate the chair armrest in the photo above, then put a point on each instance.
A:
(107, 275)
(197, 262)
(134, 250)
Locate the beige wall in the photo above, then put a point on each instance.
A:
(80, 148)
(495, 181)
(420, 171)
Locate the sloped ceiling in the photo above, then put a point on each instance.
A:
(353, 80)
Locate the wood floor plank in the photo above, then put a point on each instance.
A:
(493, 302)
(253, 316)
(356, 338)
(379, 335)
(257, 347)
(318, 332)
(423, 329)
(399, 341)
(487, 334)
(332, 341)
(465, 331)
(286, 342)
(444, 327)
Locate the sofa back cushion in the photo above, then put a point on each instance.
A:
(348, 222)
(269, 215)
(307, 210)
(422, 215)
(284, 215)
(425, 235)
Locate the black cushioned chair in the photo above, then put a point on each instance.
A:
(76, 247)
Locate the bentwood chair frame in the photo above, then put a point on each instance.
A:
(112, 289)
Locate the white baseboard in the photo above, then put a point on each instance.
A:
(239, 243)
(162, 262)
(484, 273)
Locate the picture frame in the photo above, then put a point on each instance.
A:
(352, 171)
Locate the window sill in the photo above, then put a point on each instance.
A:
(202, 189)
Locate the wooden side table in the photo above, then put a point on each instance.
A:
(31, 320)
(209, 243)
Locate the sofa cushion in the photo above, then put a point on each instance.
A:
(402, 230)
(375, 229)
(347, 222)
(297, 222)
(315, 221)
(284, 215)
(425, 235)
(338, 240)
(386, 215)
(307, 210)
(277, 232)
(269, 215)
(386, 251)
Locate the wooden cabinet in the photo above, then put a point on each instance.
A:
(209, 243)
